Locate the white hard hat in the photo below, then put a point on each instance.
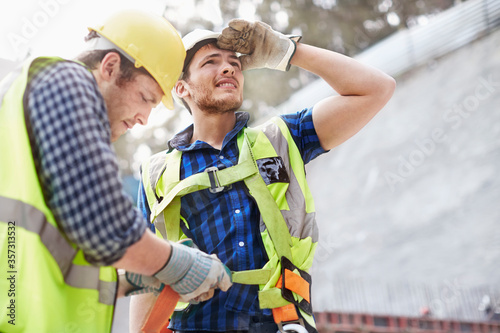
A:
(195, 40)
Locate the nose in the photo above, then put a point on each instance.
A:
(227, 69)
(142, 116)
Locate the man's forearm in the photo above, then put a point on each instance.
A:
(345, 75)
(363, 91)
(147, 256)
(140, 307)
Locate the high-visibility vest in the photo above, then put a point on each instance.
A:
(288, 227)
(46, 285)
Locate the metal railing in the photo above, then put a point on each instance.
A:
(336, 322)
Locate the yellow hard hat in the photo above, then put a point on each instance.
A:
(152, 42)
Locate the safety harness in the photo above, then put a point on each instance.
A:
(290, 297)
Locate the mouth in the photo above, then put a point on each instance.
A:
(226, 84)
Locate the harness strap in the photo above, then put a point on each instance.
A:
(253, 276)
(201, 181)
(160, 313)
(285, 314)
(296, 284)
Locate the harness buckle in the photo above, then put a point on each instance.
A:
(214, 180)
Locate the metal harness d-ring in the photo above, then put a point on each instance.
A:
(292, 328)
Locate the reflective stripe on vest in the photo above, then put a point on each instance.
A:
(77, 276)
(303, 204)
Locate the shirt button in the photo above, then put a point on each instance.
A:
(237, 211)
(241, 244)
(221, 157)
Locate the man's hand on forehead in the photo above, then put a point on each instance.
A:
(259, 44)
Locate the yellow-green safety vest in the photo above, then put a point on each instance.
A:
(46, 285)
(288, 226)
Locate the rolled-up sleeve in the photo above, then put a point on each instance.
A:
(77, 167)
(302, 129)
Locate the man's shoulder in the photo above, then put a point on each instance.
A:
(273, 123)
(60, 71)
(157, 161)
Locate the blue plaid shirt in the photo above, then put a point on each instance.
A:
(227, 224)
(69, 132)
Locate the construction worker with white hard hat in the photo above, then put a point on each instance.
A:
(241, 193)
(66, 224)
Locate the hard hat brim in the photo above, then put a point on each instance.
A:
(196, 40)
(168, 101)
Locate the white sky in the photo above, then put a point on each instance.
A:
(56, 27)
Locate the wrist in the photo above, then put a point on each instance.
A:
(178, 264)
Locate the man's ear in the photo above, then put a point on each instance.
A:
(110, 66)
(181, 89)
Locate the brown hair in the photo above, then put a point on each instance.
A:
(92, 59)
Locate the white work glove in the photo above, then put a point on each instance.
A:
(259, 44)
(190, 272)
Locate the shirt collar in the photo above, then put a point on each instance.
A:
(181, 141)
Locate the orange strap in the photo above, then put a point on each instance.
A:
(163, 308)
(285, 314)
(296, 284)
(299, 286)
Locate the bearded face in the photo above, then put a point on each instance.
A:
(214, 81)
(209, 102)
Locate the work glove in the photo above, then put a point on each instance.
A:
(259, 44)
(135, 284)
(189, 272)
(192, 273)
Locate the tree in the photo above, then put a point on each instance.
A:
(344, 26)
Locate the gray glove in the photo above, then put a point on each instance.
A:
(261, 46)
(135, 284)
(189, 272)
(192, 273)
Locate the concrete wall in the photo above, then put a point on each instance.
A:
(415, 196)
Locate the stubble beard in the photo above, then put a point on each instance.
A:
(205, 102)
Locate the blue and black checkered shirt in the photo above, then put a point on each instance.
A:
(70, 138)
(227, 224)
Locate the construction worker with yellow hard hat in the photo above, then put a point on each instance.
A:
(66, 225)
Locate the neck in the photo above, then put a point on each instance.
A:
(212, 128)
